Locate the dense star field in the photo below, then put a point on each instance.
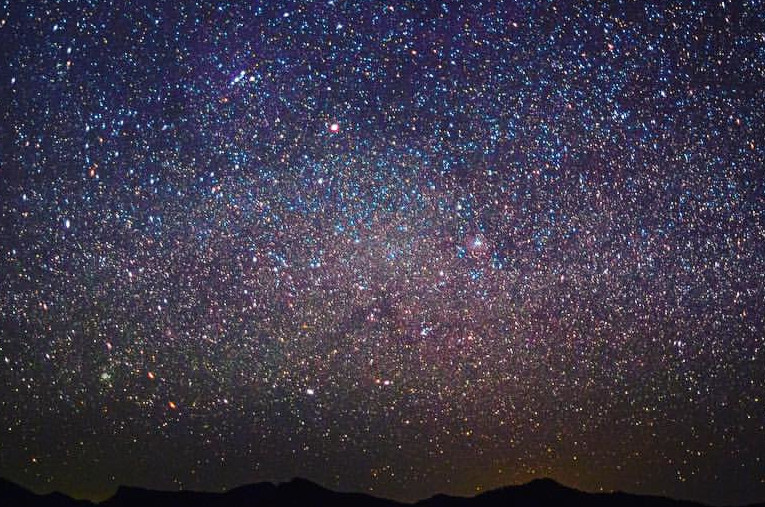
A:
(404, 247)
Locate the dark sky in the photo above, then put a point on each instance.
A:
(404, 248)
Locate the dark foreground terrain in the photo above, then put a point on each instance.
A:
(303, 493)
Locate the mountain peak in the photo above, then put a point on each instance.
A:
(546, 482)
(301, 481)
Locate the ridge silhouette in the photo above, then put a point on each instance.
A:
(304, 493)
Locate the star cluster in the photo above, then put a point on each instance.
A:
(404, 247)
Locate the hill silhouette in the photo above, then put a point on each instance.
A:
(13, 495)
(304, 493)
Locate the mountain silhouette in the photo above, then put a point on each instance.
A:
(13, 495)
(304, 493)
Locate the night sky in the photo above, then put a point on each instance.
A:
(402, 248)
